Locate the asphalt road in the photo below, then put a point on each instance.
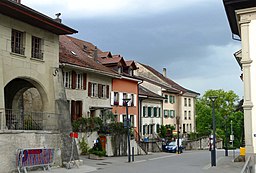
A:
(189, 161)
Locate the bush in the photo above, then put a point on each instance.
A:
(83, 147)
(97, 149)
(98, 153)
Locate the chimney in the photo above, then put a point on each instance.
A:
(164, 72)
(95, 54)
(58, 17)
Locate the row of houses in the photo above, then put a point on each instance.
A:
(49, 79)
(96, 81)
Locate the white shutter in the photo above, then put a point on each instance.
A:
(135, 100)
(130, 102)
(121, 118)
(120, 99)
(112, 98)
(135, 120)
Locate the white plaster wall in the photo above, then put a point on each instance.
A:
(82, 95)
(151, 120)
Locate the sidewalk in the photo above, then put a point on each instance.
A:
(223, 164)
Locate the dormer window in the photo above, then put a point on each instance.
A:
(130, 71)
(120, 69)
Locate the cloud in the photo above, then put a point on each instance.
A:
(103, 8)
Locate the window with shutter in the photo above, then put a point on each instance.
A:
(89, 89)
(166, 113)
(73, 110)
(120, 99)
(149, 111)
(134, 100)
(73, 80)
(112, 98)
(84, 81)
(116, 98)
(107, 92)
(155, 111)
(100, 91)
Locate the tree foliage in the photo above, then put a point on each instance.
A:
(225, 112)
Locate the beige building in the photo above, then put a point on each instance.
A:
(87, 82)
(178, 103)
(30, 83)
(242, 19)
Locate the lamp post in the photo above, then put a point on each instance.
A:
(226, 133)
(213, 151)
(178, 133)
(126, 100)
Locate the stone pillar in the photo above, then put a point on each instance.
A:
(62, 108)
(247, 78)
(2, 103)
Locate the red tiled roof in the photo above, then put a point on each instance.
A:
(28, 15)
(71, 53)
(87, 47)
(131, 63)
(105, 54)
(167, 80)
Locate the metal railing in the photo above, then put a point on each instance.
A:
(20, 120)
(247, 166)
(138, 139)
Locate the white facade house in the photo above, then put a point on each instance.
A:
(151, 112)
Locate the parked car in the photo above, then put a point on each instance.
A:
(172, 147)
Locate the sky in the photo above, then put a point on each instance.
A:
(190, 38)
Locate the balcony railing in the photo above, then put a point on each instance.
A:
(20, 120)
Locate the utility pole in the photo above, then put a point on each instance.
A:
(126, 100)
(213, 151)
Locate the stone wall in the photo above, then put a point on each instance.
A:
(10, 141)
(111, 150)
(201, 144)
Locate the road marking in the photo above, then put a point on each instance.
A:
(139, 161)
(163, 157)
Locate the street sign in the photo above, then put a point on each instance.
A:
(232, 138)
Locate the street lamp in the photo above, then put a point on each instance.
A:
(178, 133)
(213, 151)
(126, 100)
(226, 133)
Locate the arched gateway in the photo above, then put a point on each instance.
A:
(25, 100)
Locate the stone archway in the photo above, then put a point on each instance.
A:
(24, 103)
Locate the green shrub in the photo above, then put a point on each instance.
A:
(83, 147)
(97, 149)
(98, 153)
